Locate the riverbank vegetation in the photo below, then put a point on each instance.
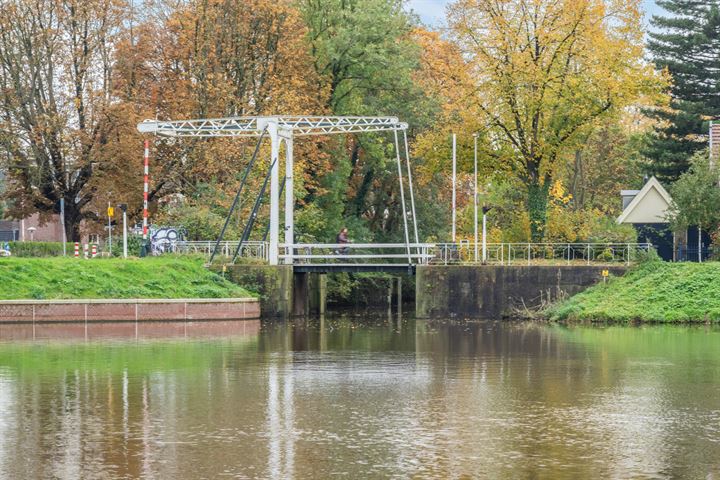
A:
(654, 291)
(152, 277)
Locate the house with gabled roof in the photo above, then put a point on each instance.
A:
(647, 210)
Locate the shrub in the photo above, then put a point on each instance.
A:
(39, 249)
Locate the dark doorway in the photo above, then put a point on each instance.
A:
(659, 235)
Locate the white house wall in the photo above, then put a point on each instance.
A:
(651, 209)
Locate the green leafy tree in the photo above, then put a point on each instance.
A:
(365, 52)
(686, 42)
(696, 196)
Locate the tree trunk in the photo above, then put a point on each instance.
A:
(537, 200)
(73, 217)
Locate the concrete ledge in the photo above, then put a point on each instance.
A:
(98, 310)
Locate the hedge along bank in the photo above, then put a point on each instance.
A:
(55, 249)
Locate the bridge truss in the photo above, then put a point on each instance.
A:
(283, 129)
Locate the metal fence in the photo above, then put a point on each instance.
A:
(437, 253)
(250, 249)
(539, 253)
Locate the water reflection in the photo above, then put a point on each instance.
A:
(361, 398)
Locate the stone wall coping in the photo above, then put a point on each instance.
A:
(82, 301)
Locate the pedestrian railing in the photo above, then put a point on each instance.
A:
(354, 253)
(539, 253)
(249, 249)
(460, 253)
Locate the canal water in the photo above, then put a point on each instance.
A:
(359, 398)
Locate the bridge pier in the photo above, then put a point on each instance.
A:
(309, 293)
(395, 295)
(283, 292)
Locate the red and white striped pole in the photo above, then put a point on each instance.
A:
(94, 251)
(146, 189)
(77, 249)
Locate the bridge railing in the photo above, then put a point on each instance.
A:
(460, 253)
(250, 249)
(357, 253)
(539, 253)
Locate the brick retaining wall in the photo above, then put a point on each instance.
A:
(129, 310)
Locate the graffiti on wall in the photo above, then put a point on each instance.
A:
(165, 239)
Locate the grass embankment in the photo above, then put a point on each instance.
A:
(153, 277)
(651, 292)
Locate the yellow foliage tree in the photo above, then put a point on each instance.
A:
(541, 73)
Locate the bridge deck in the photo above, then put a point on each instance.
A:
(354, 268)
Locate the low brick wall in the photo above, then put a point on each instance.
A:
(129, 310)
(20, 331)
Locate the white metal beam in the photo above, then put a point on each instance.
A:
(252, 126)
(274, 192)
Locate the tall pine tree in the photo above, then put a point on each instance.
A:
(686, 42)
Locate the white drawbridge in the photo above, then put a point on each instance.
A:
(283, 129)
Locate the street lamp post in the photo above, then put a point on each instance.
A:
(62, 223)
(485, 210)
(454, 181)
(123, 207)
(110, 214)
(475, 203)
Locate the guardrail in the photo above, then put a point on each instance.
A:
(354, 253)
(250, 249)
(539, 253)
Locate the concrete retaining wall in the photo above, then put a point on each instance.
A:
(495, 291)
(129, 310)
(274, 283)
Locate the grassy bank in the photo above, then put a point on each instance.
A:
(652, 292)
(70, 278)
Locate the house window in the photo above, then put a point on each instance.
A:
(94, 238)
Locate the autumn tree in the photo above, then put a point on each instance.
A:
(608, 160)
(56, 117)
(542, 72)
(218, 58)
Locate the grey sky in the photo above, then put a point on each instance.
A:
(432, 12)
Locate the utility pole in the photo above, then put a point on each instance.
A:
(475, 203)
(454, 177)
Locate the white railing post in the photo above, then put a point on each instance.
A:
(528, 258)
(587, 257)
(568, 254)
(628, 255)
